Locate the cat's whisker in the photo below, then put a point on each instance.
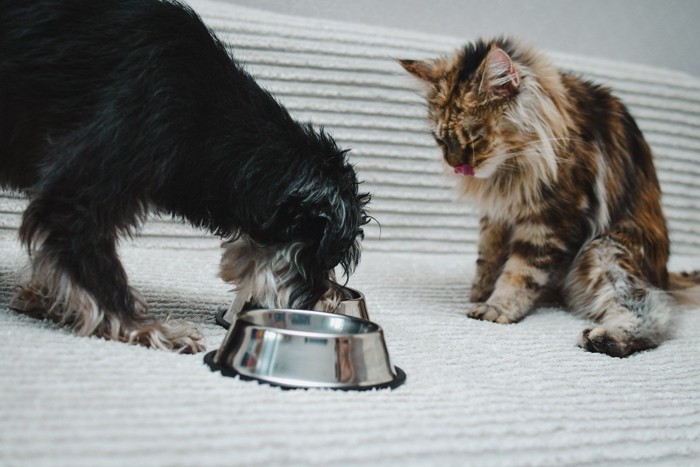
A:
(509, 160)
(522, 153)
(542, 141)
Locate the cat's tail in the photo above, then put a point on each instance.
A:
(685, 287)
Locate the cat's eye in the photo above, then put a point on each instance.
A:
(474, 140)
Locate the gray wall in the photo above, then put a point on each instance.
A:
(662, 33)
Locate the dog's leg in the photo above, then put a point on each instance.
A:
(78, 280)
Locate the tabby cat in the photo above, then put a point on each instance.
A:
(567, 188)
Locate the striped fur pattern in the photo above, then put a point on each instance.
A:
(568, 191)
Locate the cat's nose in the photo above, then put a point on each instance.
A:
(455, 154)
(455, 158)
(453, 146)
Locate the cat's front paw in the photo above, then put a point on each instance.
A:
(480, 294)
(615, 344)
(488, 312)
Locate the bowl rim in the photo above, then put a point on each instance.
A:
(374, 327)
(220, 316)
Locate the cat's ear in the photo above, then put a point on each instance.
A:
(424, 70)
(499, 76)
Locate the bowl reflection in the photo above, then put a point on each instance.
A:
(306, 349)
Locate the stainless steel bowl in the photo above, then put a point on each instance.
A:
(355, 305)
(306, 349)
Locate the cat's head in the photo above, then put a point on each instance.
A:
(494, 106)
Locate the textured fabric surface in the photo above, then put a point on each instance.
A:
(477, 393)
(346, 78)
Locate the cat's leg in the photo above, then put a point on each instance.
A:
(493, 252)
(606, 284)
(534, 252)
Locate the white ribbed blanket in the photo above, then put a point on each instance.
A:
(477, 393)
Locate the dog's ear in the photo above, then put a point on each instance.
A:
(307, 291)
(330, 245)
(340, 230)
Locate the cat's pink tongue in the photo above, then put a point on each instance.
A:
(464, 169)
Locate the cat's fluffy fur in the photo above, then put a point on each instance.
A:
(568, 190)
(109, 108)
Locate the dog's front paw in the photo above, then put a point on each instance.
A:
(614, 343)
(29, 301)
(177, 336)
(488, 312)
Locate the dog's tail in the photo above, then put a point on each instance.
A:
(685, 287)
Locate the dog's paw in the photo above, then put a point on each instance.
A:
(488, 312)
(176, 336)
(81, 313)
(614, 343)
(29, 300)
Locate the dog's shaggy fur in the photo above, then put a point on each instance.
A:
(111, 108)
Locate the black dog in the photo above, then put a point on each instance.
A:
(109, 108)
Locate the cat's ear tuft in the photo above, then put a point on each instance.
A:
(499, 75)
(425, 70)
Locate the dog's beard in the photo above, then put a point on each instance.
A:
(272, 277)
(331, 298)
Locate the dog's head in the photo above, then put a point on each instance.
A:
(312, 225)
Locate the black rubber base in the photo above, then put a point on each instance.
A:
(398, 380)
(220, 318)
(222, 311)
